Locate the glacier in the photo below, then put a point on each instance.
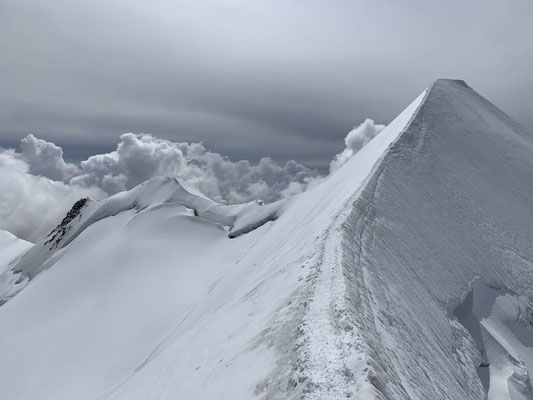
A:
(407, 274)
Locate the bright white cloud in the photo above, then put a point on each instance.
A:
(38, 187)
(46, 159)
(140, 157)
(30, 205)
(355, 140)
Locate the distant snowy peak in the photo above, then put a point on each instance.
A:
(155, 192)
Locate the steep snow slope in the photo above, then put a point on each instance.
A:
(450, 205)
(367, 286)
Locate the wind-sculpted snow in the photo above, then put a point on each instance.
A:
(504, 339)
(238, 219)
(367, 286)
(451, 204)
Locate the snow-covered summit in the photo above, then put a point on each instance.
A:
(157, 192)
(407, 274)
(166, 191)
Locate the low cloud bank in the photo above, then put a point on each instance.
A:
(38, 187)
(140, 157)
(30, 205)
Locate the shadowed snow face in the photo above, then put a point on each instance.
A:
(503, 338)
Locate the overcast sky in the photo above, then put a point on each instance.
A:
(286, 79)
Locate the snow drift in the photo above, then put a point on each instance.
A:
(407, 274)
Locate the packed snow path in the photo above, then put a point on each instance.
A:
(358, 288)
(334, 350)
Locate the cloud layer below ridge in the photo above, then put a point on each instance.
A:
(38, 186)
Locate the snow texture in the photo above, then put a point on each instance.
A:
(406, 274)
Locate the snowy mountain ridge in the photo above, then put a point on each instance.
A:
(407, 274)
(152, 194)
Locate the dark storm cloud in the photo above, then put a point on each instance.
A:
(248, 78)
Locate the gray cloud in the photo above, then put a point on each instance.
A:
(253, 78)
(46, 159)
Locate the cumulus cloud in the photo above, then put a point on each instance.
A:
(30, 205)
(46, 159)
(38, 187)
(355, 140)
(140, 157)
